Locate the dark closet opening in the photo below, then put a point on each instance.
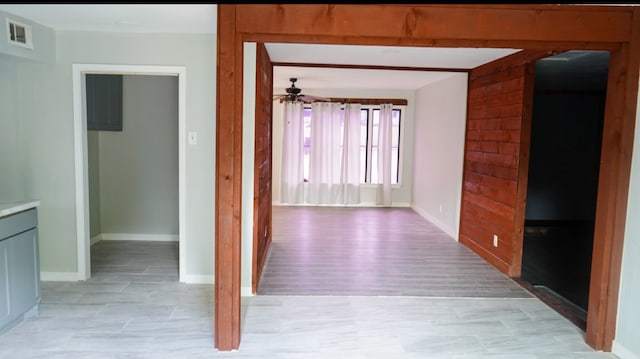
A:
(566, 137)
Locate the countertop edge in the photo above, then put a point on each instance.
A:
(9, 208)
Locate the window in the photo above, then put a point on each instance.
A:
(370, 121)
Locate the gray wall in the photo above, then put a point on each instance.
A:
(44, 44)
(49, 142)
(11, 165)
(138, 176)
(93, 162)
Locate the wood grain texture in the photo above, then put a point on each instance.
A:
(262, 221)
(613, 189)
(228, 183)
(496, 158)
(516, 22)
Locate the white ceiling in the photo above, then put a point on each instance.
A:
(394, 56)
(201, 18)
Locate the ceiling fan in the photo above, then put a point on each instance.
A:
(293, 94)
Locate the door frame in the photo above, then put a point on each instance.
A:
(533, 27)
(81, 155)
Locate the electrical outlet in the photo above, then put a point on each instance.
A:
(193, 138)
(495, 240)
(440, 208)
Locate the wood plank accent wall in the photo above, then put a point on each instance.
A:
(262, 220)
(495, 162)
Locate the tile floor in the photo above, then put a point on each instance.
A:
(134, 308)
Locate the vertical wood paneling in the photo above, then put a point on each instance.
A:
(496, 159)
(262, 221)
(228, 182)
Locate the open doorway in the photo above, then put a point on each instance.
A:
(566, 139)
(133, 176)
(82, 155)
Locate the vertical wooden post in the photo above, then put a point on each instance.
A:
(228, 181)
(613, 190)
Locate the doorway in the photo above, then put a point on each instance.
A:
(566, 139)
(133, 172)
(82, 153)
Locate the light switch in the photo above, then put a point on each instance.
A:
(193, 138)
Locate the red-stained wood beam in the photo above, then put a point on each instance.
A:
(228, 176)
(613, 191)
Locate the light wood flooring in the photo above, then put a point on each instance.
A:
(373, 251)
(134, 308)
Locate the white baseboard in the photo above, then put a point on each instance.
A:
(197, 279)
(59, 276)
(137, 237)
(246, 292)
(361, 204)
(95, 239)
(622, 352)
(436, 222)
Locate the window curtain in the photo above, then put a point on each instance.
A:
(350, 192)
(292, 190)
(325, 157)
(383, 195)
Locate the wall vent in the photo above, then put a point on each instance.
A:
(19, 34)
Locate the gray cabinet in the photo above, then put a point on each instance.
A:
(104, 102)
(19, 268)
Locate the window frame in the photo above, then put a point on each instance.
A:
(402, 109)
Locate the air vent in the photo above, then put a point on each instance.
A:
(19, 34)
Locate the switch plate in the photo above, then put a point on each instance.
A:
(495, 240)
(193, 138)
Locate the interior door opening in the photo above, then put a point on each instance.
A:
(83, 226)
(132, 142)
(566, 138)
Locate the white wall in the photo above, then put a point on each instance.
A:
(248, 159)
(440, 119)
(401, 194)
(627, 341)
(139, 165)
(47, 119)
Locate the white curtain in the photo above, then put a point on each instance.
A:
(292, 190)
(351, 176)
(325, 158)
(384, 156)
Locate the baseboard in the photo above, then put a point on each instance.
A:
(436, 222)
(59, 276)
(197, 279)
(622, 352)
(362, 204)
(95, 239)
(246, 292)
(138, 237)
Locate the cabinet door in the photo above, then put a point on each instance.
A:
(25, 276)
(104, 102)
(4, 284)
